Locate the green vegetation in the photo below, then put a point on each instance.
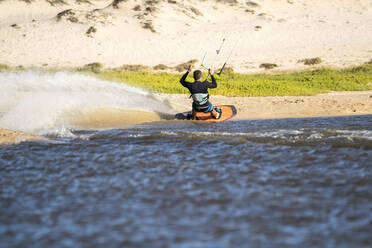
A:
(230, 83)
(183, 66)
(236, 84)
(268, 66)
(132, 68)
(251, 11)
(4, 67)
(252, 4)
(91, 29)
(56, 2)
(311, 61)
(116, 3)
(196, 11)
(137, 8)
(161, 67)
(92, 67)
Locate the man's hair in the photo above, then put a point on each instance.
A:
(197, 74)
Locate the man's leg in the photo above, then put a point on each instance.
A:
(216, 114)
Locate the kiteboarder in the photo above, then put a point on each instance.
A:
(199, 93)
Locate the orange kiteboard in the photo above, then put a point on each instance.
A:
(228, 111)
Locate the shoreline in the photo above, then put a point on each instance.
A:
(10, 137)
(346, 103)
(256, 108)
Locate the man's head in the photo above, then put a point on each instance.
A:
(197, 75)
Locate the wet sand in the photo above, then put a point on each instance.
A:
(13, 137)
(332, 104)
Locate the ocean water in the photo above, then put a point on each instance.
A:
(254, 183)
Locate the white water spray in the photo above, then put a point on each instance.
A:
(40, 103)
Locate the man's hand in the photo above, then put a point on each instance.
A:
(210, 71)
(190, 68)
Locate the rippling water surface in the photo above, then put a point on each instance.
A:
(264, 183)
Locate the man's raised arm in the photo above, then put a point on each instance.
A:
(183, 78)
(214, 82)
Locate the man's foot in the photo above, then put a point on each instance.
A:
(219, 113)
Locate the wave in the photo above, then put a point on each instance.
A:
(287, 137)
(38, 102)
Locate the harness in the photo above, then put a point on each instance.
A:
(200, 99)
(201, 103)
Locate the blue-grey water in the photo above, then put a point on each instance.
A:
(259, 183)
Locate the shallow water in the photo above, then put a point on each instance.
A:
(41, 103)
(262, 183)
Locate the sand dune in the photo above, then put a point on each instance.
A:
(175, 31)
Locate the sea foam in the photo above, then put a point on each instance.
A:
(39, 102)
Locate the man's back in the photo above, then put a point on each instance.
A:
(197, 86)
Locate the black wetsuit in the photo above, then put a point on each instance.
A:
(199, 88)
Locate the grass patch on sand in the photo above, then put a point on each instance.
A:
(311, 61)
(161, 67)
(4, 67)
(183, 66)
(268, 66)
(92, 67)
(312, 82)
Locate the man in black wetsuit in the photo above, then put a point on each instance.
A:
(199, 93)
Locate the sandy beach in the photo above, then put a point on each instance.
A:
(54, 35)
(331, 104)
(41, 34)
